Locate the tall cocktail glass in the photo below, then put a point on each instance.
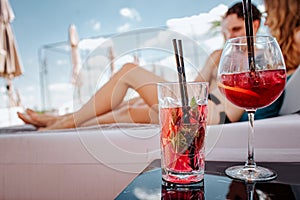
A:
(251, 84)
(183, 131)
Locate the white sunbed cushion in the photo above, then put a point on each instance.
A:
(291, 102)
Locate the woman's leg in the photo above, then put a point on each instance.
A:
(127, 114)
(111, 95)
(46, 120)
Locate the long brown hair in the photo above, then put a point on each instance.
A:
(283, 21)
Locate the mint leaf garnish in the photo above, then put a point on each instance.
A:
(193, 104)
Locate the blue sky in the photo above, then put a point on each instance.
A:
(40, 22)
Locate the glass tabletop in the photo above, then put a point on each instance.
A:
(149, 185)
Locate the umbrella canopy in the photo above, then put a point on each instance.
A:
(111, 57)
(76, 79)
(10, 64)
(76, 60)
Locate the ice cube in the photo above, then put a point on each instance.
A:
(169, 102)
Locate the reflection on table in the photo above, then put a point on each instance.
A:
(149, 185)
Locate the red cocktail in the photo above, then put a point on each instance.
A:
(182, 144)
(252, 90)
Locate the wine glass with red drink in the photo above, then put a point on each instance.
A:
(251, 77)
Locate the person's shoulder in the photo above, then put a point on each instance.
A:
(216, 54)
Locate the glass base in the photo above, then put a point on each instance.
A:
(183, 177)
(250, 173)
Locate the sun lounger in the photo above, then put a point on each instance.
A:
(98, 162)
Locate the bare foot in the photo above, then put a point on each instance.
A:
(36, 119)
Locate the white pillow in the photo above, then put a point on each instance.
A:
(291, 101)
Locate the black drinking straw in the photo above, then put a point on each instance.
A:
(184, 95)
(182, 79)
(247, 6)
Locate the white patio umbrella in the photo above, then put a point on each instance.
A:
(111, 57)
(10, 63)
(75, 56)
(76, 80)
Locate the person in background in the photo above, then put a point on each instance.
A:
(283, 20)
(232, 25)
(107, 105)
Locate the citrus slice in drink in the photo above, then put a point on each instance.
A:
(238, 89)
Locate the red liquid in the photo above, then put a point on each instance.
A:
(252, 92)
(182, 144)
(185, 193)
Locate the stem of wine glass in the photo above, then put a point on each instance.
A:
(250, 190)
(250, 162)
